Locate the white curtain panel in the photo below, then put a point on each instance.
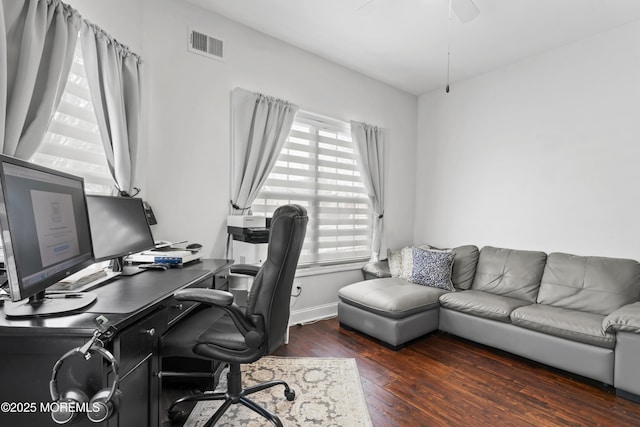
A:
(260, 126)
(37, 40)
(369, 142)
(113, 72)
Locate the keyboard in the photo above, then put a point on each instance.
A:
(83, 283)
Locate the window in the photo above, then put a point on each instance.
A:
(73, 143)
(318, 169)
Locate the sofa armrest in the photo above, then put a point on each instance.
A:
(376, 270)
(625, 319)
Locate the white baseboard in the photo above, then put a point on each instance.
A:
(313, 313)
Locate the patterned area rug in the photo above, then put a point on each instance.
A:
(328, 394)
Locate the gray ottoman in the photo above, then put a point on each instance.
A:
(390, 309)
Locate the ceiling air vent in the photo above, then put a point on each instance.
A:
(203, 44)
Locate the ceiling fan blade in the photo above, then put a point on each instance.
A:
(465, 10)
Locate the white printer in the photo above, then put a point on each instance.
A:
(250, 236)
(246, 221)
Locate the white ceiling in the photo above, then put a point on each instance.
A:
(404, 42)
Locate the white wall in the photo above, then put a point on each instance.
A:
(185, 154)
(188, 136)
(542, 154)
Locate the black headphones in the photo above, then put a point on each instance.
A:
(98, 408)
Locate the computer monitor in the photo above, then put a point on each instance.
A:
(46, 236)
(119, 227)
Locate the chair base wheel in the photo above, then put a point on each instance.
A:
(290, 395)
(177, 417)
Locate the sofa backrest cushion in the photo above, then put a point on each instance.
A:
(592, 284)
(508, 272)
(464, 266)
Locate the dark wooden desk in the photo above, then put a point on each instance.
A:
(140, 307)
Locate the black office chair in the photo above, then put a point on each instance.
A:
(224, 332)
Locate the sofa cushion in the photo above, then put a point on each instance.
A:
(483, 304)
(391, 297)
(508, 272)
(592, 284)
(464, 266)
(561, 322)
(432, 267)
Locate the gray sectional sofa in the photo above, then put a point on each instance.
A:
(577, 313)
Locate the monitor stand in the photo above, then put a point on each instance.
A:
(118, 266)
(49, 304)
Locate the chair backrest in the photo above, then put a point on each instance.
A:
(270, 295)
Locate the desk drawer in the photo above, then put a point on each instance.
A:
(136, 342)
(177, 309)
(221, 280)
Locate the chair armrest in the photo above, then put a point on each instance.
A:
(376, 269)
(205, 296)
(248, 269)
(224, 300)
(626, 319)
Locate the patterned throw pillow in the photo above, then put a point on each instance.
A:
(407, 261)
(394, 257)
(433, 268)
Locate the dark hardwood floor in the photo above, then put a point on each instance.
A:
(442, 380)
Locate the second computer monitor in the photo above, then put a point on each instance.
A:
(119, 227)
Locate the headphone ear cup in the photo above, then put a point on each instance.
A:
(101, 407)
(69, 406)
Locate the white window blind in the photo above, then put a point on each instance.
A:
(73, 143)
(317, 169)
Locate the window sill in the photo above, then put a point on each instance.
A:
(327, 269)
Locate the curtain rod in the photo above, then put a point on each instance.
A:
(122, 47)
(99, 31)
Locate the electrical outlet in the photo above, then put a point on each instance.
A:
(298, 289)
